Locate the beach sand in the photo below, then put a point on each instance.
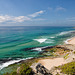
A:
(71, 41)
(50, 63)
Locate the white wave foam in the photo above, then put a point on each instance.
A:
(6, 64)
(37, 49)
(52, 37)
(49, 41)
(66, 42)
(40, 40)
(65, 32)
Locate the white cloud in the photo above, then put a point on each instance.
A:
(21, 18)
(14, 19)
(60, 8)
(36, 14)
(4, 18)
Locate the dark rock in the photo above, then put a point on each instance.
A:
(41, 70)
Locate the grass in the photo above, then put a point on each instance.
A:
(66, 56)
(68, 68)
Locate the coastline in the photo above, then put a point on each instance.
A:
(70, 41)
(6, 64)
(53, 61)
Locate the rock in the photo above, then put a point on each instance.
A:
(41, 70)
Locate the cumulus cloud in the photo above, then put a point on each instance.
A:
(36, 14)
(14, 19)
(60, 8)
(4, 18)
(21, 18)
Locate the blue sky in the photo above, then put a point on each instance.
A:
(37, 12)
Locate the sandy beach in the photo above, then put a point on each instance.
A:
(50, 63)
(71, 41)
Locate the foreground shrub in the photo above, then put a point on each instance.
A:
(68, 68)
(24, 70)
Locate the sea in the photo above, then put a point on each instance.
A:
(24, 42)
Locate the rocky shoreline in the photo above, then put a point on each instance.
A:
(52, 52)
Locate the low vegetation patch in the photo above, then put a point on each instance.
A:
(23, 70)
(55, 51)
(68, 68)
(74, 52)
(66, 56)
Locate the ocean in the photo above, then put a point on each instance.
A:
(23, 42)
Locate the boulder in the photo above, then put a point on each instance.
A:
(41, 70)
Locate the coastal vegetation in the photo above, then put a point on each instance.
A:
(66, 56)
(23, 68)
(55, 51)
(68, 68)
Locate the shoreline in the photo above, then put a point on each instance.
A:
(70, 41)
(47, 62)
(6, 64)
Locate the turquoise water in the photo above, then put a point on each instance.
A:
(21, 42)
(15, 41)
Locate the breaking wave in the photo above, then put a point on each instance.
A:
(65, 32)
(40, 40)
(6, 64)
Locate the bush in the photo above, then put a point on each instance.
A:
(13, 73)
(25, 70)
(74, 52)
(68, 68)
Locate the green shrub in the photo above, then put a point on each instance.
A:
(13, 73)
(74, 52)
(66, 56)
(6, 74)
(68, 68)
(25, 70)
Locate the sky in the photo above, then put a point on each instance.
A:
(37, 12)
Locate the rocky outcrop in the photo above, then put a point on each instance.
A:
(41, 70)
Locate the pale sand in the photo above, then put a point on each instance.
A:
(50, 63)
(71, 41)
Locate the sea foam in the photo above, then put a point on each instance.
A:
(6, 64)
(52, 37)
(37, 49)
(65, 32)
(40, 40)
